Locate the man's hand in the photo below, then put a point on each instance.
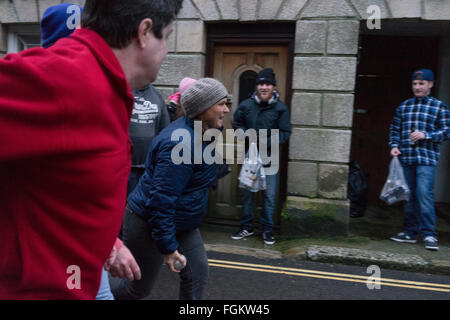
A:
(169, 260)
(112, 257)
(125, 266)
(416, 136)
(395, 152)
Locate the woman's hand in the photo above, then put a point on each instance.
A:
(169, 260)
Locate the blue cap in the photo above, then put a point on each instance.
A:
(58, 22)
(423, 74)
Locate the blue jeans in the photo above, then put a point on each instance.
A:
(268, 207)
(419, 211)
(104, 292)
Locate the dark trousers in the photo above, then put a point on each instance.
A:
(137, 237)
(133, 178)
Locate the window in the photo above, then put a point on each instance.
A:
(247, 84)
(21, 37)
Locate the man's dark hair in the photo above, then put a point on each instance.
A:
(117, 21)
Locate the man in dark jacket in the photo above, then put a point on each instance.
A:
(263, 110)
(170, 200)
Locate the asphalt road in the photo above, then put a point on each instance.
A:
(235, 277)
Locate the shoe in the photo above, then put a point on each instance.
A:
(268, 237)
(431, 243)
(403, 237)
(356, 214)
(242, 234)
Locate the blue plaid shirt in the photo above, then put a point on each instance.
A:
(427, 115)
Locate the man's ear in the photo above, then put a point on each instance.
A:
(431, 84)
(145, 27)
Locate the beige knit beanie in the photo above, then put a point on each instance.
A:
(200, 96)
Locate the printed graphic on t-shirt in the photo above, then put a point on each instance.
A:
(144, 111)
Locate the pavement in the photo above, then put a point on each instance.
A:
(367, 244)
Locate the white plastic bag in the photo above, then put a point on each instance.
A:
(252, 175)
(396, 188)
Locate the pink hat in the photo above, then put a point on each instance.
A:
(186, 83)
(175, 97)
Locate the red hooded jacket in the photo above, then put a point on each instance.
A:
(64, 164)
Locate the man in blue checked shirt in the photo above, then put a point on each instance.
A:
(420, 124)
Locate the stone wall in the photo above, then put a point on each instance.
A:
(322, 110)
(187, 47)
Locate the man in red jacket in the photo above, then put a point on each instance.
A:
(65, 149)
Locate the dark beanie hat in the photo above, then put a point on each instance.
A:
(202, 95)
(59, 21)
(423, 74)
(266, 76)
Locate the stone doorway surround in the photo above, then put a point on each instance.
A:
(323, 83)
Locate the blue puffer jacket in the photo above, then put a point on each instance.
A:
(172, 197)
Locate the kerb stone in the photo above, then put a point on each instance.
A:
(366, 258)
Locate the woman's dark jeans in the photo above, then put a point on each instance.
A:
(137, 237)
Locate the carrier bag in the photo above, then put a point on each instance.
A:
(395, 189)
(357, 190)
(251, 176)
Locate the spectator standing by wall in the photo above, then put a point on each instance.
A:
(420, 124)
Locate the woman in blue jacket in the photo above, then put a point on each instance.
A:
(167, 206)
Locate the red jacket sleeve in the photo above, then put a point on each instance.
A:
(31, 117)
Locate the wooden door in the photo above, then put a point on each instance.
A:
(386, 64)
(236, 67)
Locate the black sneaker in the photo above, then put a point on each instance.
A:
(431, 243)
(403, 237)
(268, 237)
(241, 234)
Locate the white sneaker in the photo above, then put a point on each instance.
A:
(242, 233)
(431, 243)
(403, 237)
